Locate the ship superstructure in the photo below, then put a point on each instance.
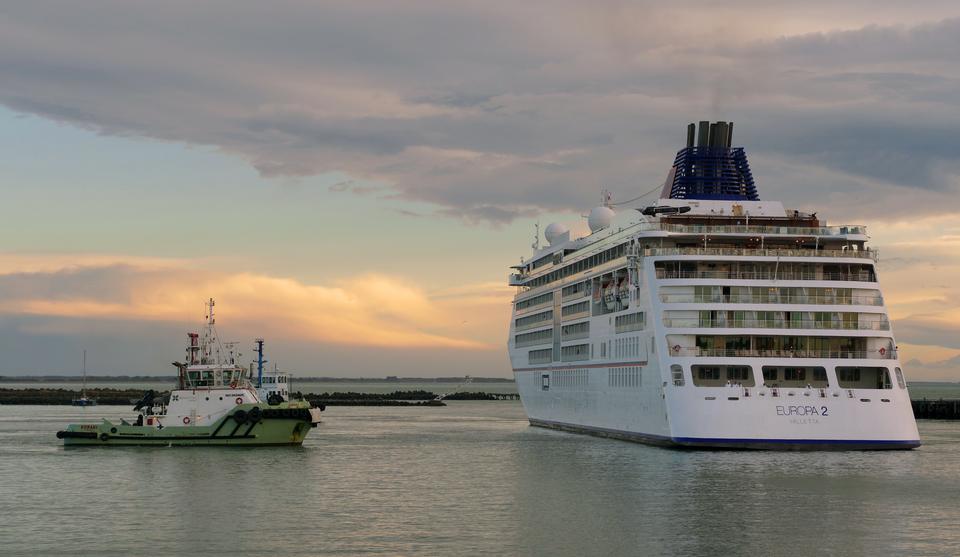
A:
(710, 319)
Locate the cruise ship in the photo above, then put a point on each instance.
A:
(710, 319)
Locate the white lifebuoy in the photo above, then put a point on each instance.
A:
(186, 420)
(239, 400)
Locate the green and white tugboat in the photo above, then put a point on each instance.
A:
(216, 402)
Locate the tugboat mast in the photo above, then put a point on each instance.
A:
(210, 338)
(260, 362)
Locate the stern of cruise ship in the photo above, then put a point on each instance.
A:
(800, 417)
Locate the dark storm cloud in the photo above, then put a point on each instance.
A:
(496, 110)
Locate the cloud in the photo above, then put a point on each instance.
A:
(368, 310)
(940, 370)
(490, 111)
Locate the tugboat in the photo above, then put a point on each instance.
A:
(83, 400)
(215, 403)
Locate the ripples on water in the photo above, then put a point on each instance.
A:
(468, 479)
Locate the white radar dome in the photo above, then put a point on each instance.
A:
(600, 218)
(555, 232)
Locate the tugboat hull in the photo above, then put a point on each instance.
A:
(247, 425)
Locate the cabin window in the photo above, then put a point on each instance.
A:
(720, 375)
(676, 371)
(575, 353)
(864, 378)
(900, 382)
(708, 373)
(544, 356)
(737, 373)
(794, 374)
(529, 320)
(629, 322)
(575, 331)
(573, 309)
(545, 382)
(536, 337)
(848, 374)
(535, 301)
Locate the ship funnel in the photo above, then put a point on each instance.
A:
(713, 168)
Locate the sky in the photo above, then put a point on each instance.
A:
(352, 180)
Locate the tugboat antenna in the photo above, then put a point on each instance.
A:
(260, 361)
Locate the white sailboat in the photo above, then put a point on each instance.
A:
(83, 400)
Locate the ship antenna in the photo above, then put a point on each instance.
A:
(211, 342)
(606, 198)
(260, 361)
(536, 236)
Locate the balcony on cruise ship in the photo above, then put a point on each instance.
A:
(765, 270)
(759, 346)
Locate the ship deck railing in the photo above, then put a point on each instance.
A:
(845, 230)
(519, 279)
(810, 299)
(867, 253)
(819, 354)
(774, 324)
(765, 275)
(516, 279)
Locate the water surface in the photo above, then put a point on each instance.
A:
(471, 478)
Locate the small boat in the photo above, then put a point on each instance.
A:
(215, 403)
(84, 400)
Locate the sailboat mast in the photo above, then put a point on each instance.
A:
(83, 387)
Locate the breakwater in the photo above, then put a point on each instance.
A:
(942, 409)
(124, 397)
(121, 397)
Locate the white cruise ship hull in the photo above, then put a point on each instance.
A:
(723, 417)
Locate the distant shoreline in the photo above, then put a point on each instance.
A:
(173, 378)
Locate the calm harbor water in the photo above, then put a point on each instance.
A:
(471, 478)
